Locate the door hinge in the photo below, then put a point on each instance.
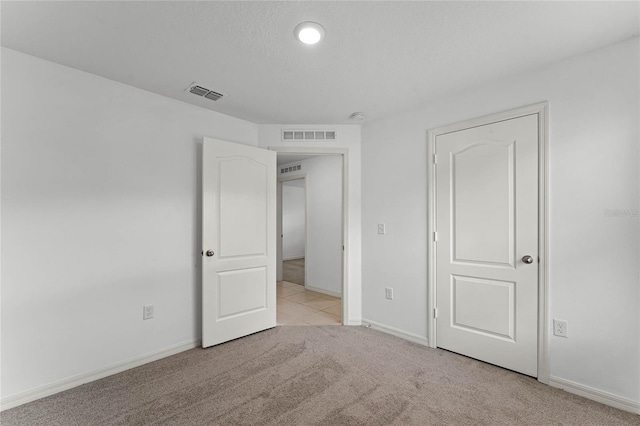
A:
(435, 312)
(435, 236)
(435, 158)
(343, 247)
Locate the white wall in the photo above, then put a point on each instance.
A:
(294, 214)
(324, 226)
(594, 272)
(100, 216)
(348, 138)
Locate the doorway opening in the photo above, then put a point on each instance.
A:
(294, 230)
(311, 244)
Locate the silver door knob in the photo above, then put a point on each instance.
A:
(210, 253)
(526, 259)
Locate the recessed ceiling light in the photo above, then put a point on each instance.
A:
(309, 32)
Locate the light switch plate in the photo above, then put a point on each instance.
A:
(388, 293)
(147, 312)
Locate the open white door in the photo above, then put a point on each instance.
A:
(239, 240)
(487, 242)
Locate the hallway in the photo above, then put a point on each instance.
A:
(298, 306)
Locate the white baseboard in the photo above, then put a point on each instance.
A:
(594, 394)
(415, 338)
(323, 291)
(80, 379)
(588, 392)
(293, 258)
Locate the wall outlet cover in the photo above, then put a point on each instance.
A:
(560, 328)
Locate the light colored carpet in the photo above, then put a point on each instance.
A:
(318, 375)
(293, 271)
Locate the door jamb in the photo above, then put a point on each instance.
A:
(344, 152)
(542, 110)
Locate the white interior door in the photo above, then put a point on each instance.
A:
(239, 241)
(487, 232)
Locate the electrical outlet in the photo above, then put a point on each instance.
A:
(381, 229)
(388, 293)
(560, 328)
(147, 312)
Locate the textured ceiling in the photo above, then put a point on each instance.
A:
(377, 57)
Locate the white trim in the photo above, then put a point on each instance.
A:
(415, 338)
(80, 379)
(543, 284)
(595, 394)
(346, 320)
(544, 368)
(322, 290)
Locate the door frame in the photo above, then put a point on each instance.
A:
(542, 110)
(280, 215)
(344, 152)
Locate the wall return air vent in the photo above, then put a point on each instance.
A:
(196, 89)
(289, 169)
(308, 135)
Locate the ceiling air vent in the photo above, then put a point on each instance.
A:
(196, 89)
(308, 135)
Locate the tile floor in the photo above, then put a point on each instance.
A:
(299, 306)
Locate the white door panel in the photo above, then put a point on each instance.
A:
(244, 195)
(487, 220)
(242, 291)
(487, 198)
(239, 225)
(494, 317)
